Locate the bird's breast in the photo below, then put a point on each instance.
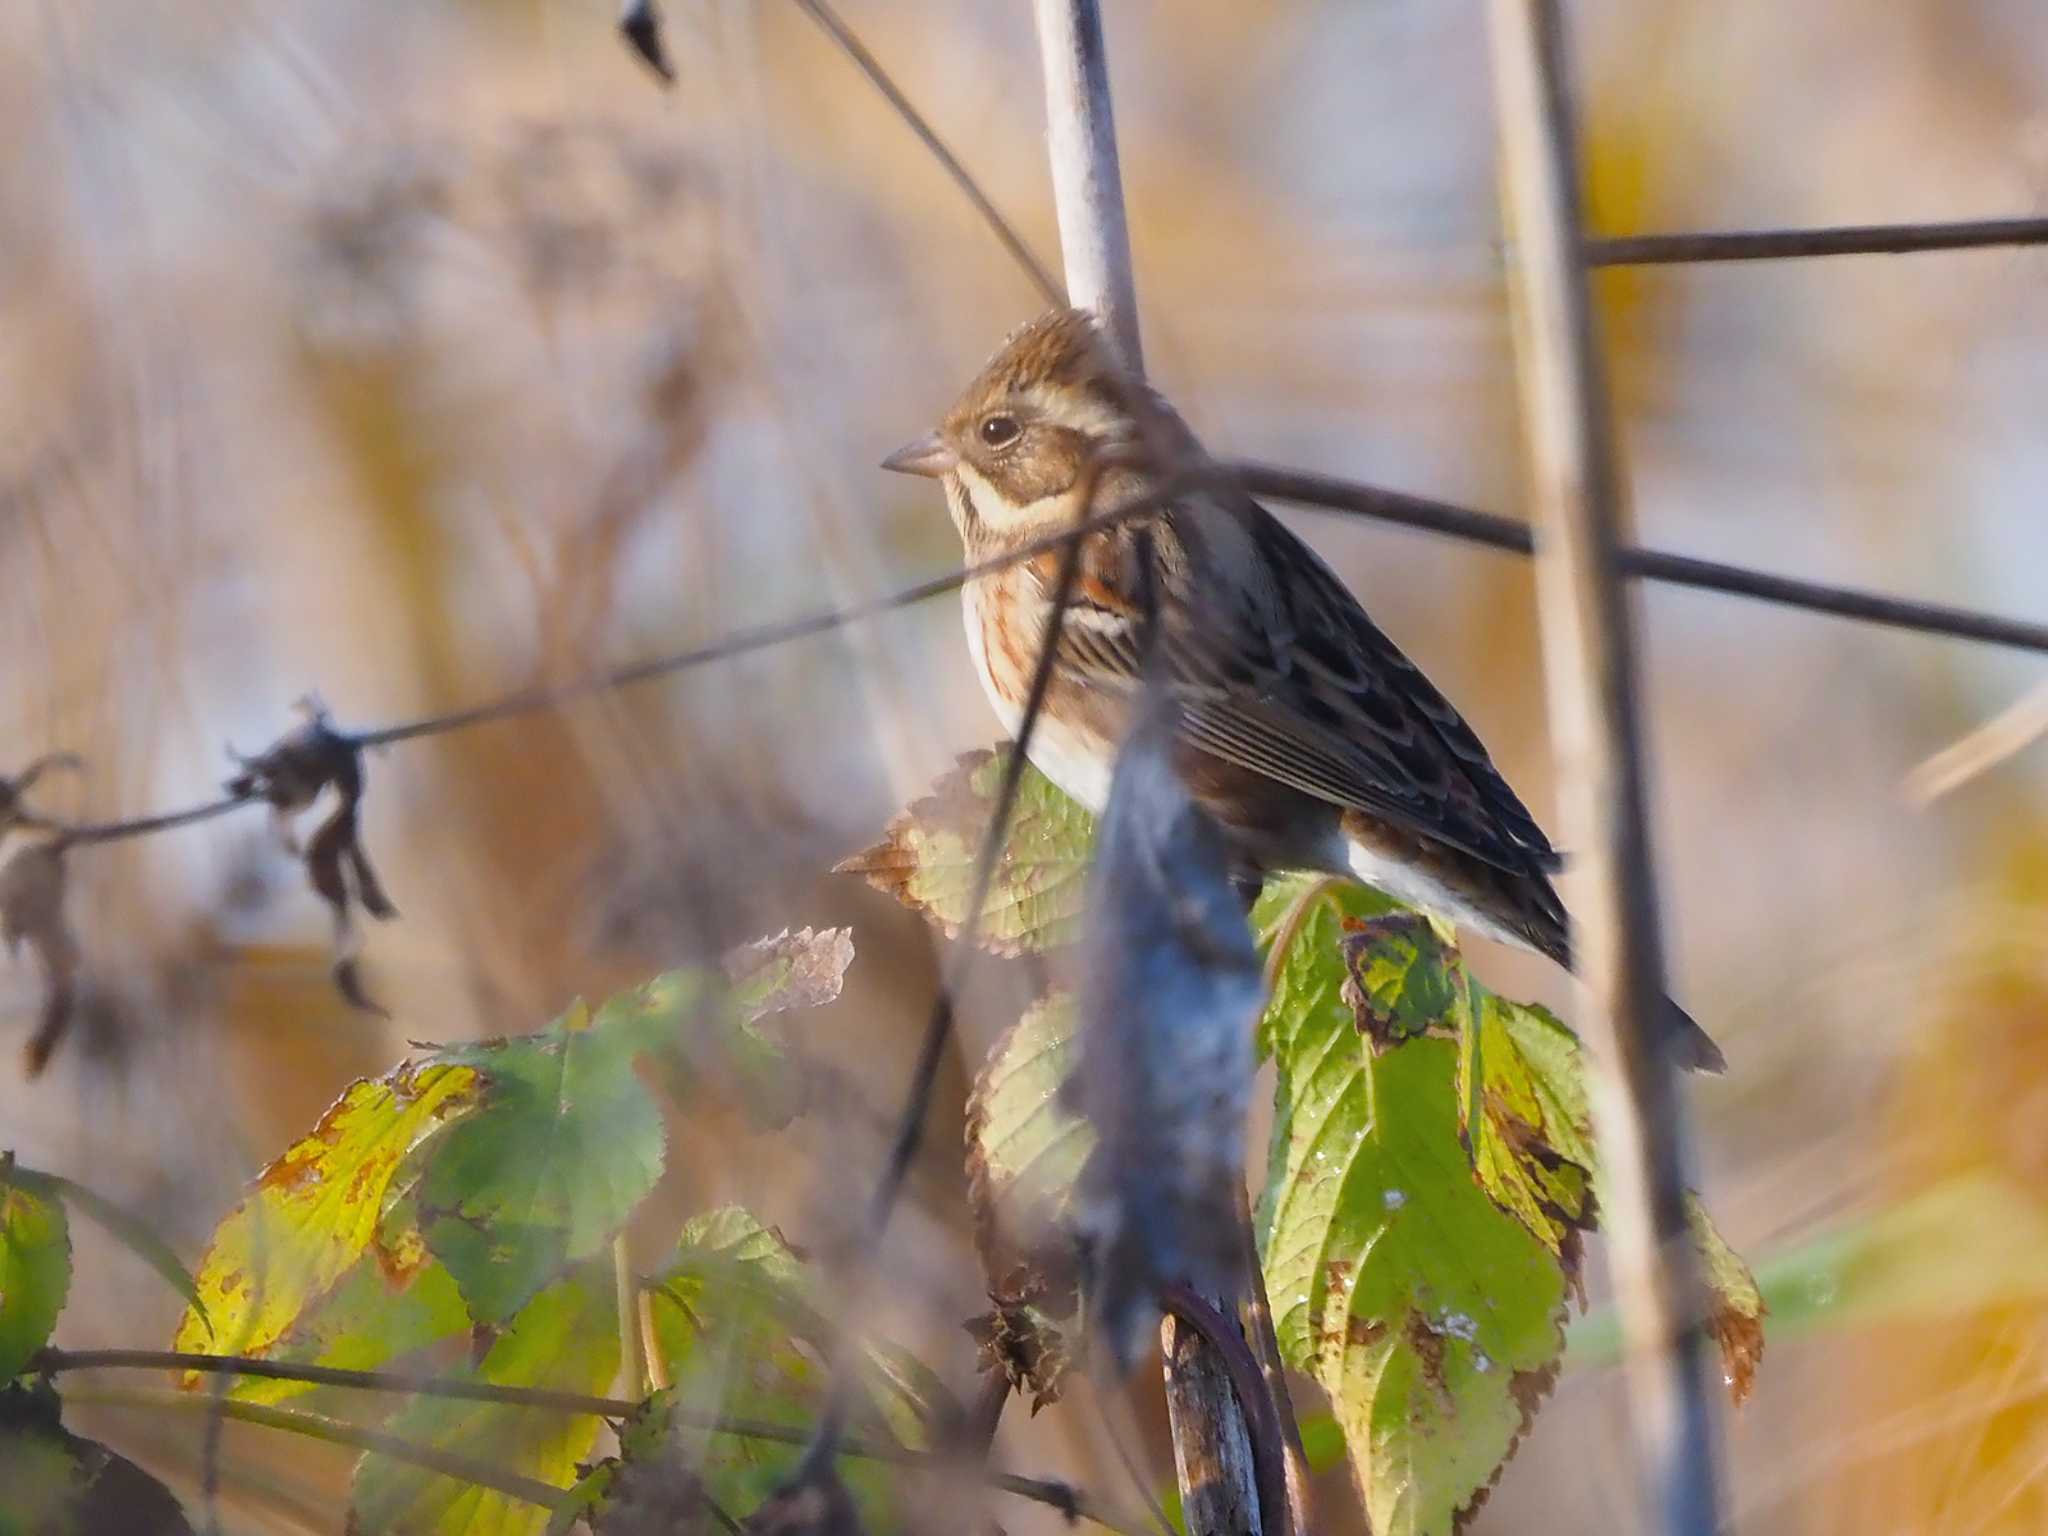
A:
(1071, 743)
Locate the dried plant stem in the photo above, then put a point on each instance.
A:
(1073, 1502)
(1588, 645)
(340, 1432)
(2007, 734)
(635, 1347)
(1087, 182)
(1006, 234)
(1785, 244)
(1211, 1435)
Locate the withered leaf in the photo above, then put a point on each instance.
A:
(927, 857)
(1736, 1306)
(32, 912)
(289, 776)
(1170, 991)
(1017, 1337)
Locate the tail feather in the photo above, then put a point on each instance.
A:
(1691, 1045)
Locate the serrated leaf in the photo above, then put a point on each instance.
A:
(1025, 1148)
(314, 1211)
(1737, 1319)
(565, 1338)
(564, 1142)
(738, 1329)
(373, 1315)
(128, 1229)
(927, 856)
(1405, 979)
(35, 1271)
(1525, 1116)
(796, 968)
(1431, 1316)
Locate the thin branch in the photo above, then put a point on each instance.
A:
(1004, 231)
(1071, 1501)
(1785, 244)
(2007, 734)
(1589, 661)
(1272, 1507)
(355, 1436)
(1506, 533)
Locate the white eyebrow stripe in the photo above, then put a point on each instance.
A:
(1078, 410)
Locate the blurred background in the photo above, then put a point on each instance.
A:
(407, 353)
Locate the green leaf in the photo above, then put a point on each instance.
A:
(739, 1331)
(564, 1142)
(382, 1309)
(1407, 981)
(926, 857)
(35, 1271)
(314, 1212)
(1528, 1123)
(1431, 1316)
(565, 1338)
(1024, 1151)
(130, 1230)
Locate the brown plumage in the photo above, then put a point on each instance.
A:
(1307, 734)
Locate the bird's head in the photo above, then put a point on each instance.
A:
(1018, 445)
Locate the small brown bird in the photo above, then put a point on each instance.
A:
(1305, 732)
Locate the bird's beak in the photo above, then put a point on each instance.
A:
(928, 456)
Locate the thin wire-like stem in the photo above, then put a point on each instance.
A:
(1428, 515)
(1005, 232)
(1327, 492)
(1596, 725)
(356, 1437)
(1071, 1501)
(1789, 244)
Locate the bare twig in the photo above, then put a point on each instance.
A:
(2007, 734)
(1246, 1489)
(1588, 644)
(1784, 244)
(1004, 231)
(1071, 1501)
(355, 1436)
(1506, 533)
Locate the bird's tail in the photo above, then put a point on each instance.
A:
(1693, 1046)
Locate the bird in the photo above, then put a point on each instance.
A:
(1307, 735)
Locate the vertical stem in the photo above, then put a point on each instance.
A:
(1087, 185)
(1588, 645)
(1212, 1442)
(633, 1342)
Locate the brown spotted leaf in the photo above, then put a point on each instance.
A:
(1431, 1316)
(314, 1214)
(927, 856)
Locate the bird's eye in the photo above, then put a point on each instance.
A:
(999, 431)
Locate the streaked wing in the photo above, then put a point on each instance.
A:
(1291, 679)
